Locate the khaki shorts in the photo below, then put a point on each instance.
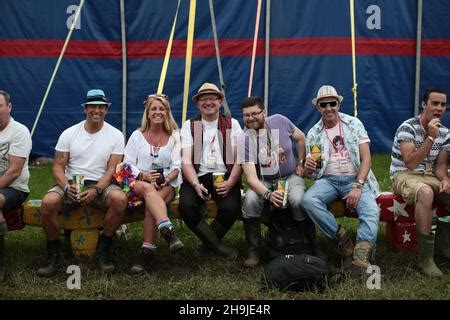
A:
(99, 203)
(408, 184)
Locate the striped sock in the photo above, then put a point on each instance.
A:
(164, 223)
(148, 245)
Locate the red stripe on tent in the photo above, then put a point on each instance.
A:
(228, 48)
(52, 49)
(342, 46)
(436, 47)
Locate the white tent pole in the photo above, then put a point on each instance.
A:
(124, 67)
(267, 57)
(418, 56)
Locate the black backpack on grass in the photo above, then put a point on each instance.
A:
(288, 236)
(297, 273)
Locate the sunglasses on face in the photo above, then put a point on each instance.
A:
(326, 103)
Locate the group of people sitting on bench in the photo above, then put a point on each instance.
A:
(205, 160)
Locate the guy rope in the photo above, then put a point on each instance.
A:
(61, 55)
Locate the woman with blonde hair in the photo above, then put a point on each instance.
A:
(153, 151)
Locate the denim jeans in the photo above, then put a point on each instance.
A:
(254, 203)
(330, 188)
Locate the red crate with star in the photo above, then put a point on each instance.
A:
(400, 223)
(402, 236)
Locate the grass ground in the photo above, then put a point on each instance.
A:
(189, 275)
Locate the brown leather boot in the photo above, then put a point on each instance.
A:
(363, 254)
(344, 247)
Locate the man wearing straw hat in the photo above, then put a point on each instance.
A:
(15, 147)
(345, 172)
(208, 146)
(91, 149)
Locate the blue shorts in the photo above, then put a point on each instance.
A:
(13, 198)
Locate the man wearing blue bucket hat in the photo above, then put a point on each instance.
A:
(91, 150)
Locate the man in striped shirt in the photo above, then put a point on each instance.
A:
(419, 169)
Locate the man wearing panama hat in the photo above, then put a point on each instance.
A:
(208, 143)
(91, 148)
(345, 173)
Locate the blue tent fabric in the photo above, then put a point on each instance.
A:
(310, 46)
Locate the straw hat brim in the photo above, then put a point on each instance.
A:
(195, 98)
(339, 97)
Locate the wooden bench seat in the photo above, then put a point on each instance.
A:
(85, 222)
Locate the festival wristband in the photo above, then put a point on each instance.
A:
(66, 187)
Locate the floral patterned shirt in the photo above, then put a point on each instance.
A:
(353, 131)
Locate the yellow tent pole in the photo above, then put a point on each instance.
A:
(61, 55)
(187, 71)
(162, 78)
(355, 85)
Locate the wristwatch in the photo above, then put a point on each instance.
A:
(361, 181)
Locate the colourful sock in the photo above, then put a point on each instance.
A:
(3, 228)
(164, 223)
(148, 245)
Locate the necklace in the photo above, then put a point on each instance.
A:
(154, 150)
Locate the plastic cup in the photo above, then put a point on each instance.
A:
(218, 178)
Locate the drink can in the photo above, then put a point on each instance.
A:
(78, 183)
(161, 178)
(283, 186)
(159, 169)
(316, 154)
(218, 178)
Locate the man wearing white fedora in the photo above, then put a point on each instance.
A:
(208, 143)
(91, 148)
(345, 172)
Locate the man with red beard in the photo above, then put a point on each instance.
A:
(266, 155)
(419, 173)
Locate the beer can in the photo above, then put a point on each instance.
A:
(159, 168)
(316, 154)
(283, 187)
(218, 178)
(78, 183)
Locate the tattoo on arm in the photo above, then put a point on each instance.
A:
(60, 155)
